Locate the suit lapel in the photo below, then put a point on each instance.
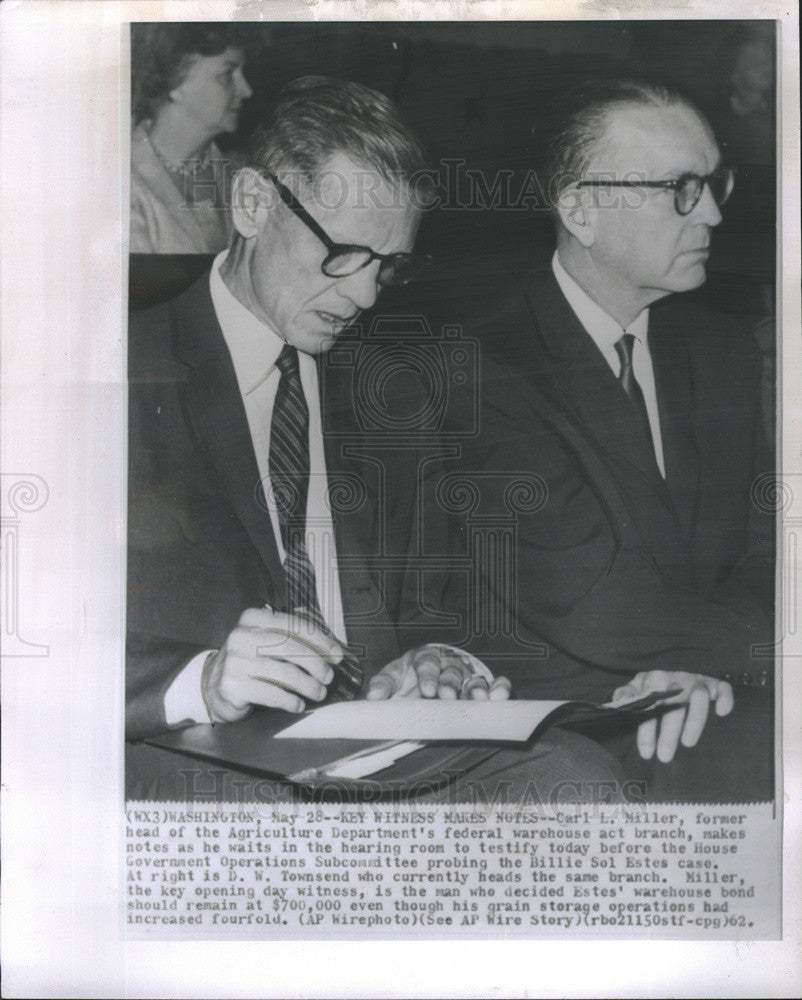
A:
(336, 433)
(581, 377)
(361, 586)
(216, 415)
(675, 397)
(353, 524)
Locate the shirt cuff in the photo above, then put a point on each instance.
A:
(184, 701)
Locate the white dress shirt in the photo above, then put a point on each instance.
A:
(605, 333)
(254, 348)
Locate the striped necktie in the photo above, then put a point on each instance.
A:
(288, 465)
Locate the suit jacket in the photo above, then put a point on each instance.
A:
(613, 569)
(201, 547)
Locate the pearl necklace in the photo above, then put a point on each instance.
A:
(182, 167)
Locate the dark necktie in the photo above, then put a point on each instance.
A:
(630, 385)
(288, 465)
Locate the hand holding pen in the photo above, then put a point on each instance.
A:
(270, 658)
(283, 660)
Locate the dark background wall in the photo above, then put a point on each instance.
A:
(487, 94)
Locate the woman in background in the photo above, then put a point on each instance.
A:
(187, 87)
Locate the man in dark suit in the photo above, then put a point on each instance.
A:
(266, 524)
(649, 551)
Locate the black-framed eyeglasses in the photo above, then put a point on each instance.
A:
(344, 259)
(687, 189)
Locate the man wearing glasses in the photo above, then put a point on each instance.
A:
(250, 583)
(649, 564)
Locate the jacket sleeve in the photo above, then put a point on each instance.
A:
(151, 666)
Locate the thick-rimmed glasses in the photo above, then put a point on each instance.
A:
(344, 259)
(687, 189)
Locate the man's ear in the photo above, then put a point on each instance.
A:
(251, 196)
(577, 214)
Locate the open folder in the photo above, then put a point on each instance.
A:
(402, 740)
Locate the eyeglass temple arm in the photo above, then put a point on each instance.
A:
(647, 184)
(297, 208)
(671, 184)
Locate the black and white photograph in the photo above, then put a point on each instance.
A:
(516, 408)
(431, 489)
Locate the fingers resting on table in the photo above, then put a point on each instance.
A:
(662, 735)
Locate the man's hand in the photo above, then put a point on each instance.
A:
(271, 659)
(437, 671)
(683, 724)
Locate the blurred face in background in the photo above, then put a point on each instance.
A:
(213, 90)
(753, 76)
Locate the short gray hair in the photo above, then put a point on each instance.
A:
(317, 116)
(584, 126)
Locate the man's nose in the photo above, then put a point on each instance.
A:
(362, 287)
(243, 87)
(707, 210)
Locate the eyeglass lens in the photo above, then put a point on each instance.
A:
(690, 191)
(397, 270)
(342, 264)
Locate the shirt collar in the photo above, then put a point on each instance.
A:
(253, 345)
(600, 325)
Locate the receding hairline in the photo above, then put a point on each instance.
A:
(316, 116)
(648, 107)
(585, 128)
(326, 169)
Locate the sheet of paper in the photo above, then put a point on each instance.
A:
(422, 719)
(371, 762)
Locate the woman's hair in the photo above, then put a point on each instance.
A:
(316, 116)
(162, 54)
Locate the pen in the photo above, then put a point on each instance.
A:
(310, 644)
(644, 701)
(288, 633)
